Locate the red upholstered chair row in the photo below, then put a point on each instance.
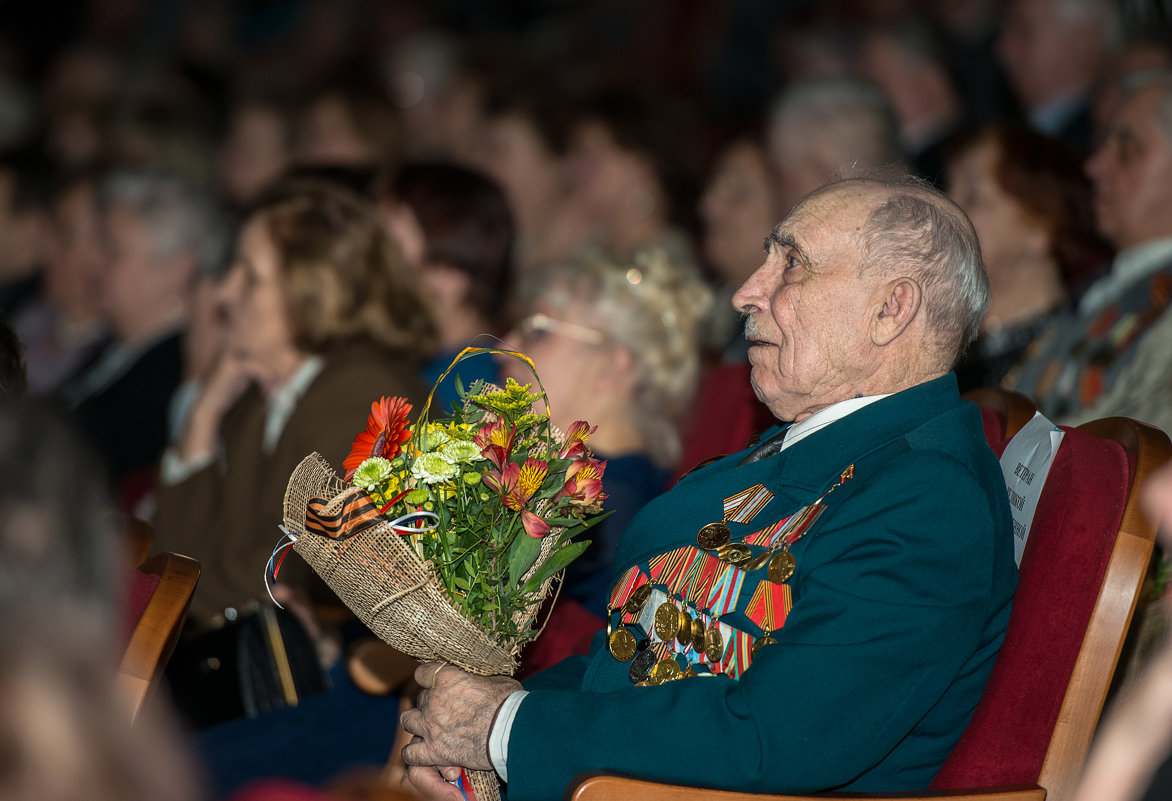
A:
(1079, 582)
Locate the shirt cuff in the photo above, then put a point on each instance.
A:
(173, 470)
(502, 727)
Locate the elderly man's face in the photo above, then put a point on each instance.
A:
(809, 311)
(1132, 173)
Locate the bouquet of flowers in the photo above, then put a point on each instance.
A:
(445, 536)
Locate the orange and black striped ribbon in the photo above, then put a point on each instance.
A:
(358, 513)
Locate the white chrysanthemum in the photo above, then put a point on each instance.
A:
(434, 439)
(431, 468)
(462, 452)
(372, 472)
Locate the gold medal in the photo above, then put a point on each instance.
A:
(665, 670)
(634, 604)
(713, 536)
(641, 667)
(667, 621)
(698, 634)
(713, 643)
(781, 567)
(759, 561)
(760, 643)
(684, 634)
(735, 553)
(622, 645)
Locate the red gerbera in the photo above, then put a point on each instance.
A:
(387, 429)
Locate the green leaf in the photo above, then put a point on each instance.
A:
(522, 555)
(459, 386)
(556, 563)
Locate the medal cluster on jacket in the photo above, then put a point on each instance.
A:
(666, 620)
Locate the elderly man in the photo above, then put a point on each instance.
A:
(848, 582)
(1113, 354)
(157, 231)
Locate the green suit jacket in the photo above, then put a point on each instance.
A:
(900, 602)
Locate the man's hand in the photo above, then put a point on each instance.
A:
(452, 717)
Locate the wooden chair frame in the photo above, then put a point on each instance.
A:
(1086, 692)
(157, 630)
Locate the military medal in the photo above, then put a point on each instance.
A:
(665, 670)
(667, 621)
(781, 567)
(640, 669)
(684, 634)
(713, 643)
(698, 634)
(622, 644)
(735, 553)
(760, 643)
(713, 536)
(634, 604)
(759, 561)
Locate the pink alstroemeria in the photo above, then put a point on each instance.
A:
(517, 483)
(584, 483)
(496, 442)
(575, 445)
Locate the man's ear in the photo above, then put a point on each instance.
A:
(900, 302)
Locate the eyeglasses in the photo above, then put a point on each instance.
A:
(540, 323)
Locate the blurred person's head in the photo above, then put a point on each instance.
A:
(313, 269)
(73, 263)
(616, 342)
(455, 225)
(255, 150)
(65, 727)
(1054, 49)
(13, 371)
(905, 62)
(1030, 203)
(522, 148)
(821, 130)
(1132, 169)
(25, 182)
(157, 230)
(737, 205)
(628, 164)
(350, 125)
(1132, 57)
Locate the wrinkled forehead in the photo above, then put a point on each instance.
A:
(829, 222)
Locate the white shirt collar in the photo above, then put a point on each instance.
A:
(284, 401)
(1130, 265)
(824, 417)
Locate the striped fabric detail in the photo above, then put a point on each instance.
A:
(357, 513)
(744, 506)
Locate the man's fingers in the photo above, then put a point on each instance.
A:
(412, 722)
(431, 785)
(426, 673)
(450, 773)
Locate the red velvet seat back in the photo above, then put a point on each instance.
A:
(724, 414)
(137, 593)
(1070, 543)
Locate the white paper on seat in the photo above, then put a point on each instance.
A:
(1025, 464)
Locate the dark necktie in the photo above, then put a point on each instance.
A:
(770, 447)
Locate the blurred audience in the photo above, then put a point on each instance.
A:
(523, 148)
(156, 231)
(13, 373)
(256, 149)
(1053, 52)
(324, 317)
(1031, 206)
(1113, 354)
(24, 196)
(629, 176)
(616, 343)
(64, 329)
(455, 228)
(349, 125)
(905, 61)
(830, 128)
(66, 731)
(737, 209)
